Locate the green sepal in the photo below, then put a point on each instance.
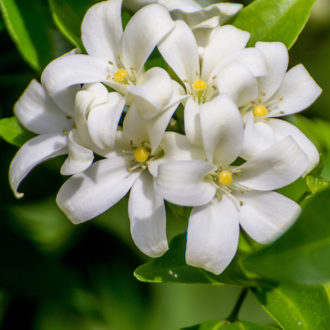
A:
(316, 184)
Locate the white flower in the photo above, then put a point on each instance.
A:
(88, 194)
(279, 93)
(117, 58)
(62, 129)
(228, 196)
(180, 51)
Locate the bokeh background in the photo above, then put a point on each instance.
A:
(55, 275)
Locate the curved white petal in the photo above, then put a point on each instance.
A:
(147, 216)
(238, 82)
(297, 91)
(88, 194)
(222, 130)
(282, 129)
(181, 182)
(266, 215)
(134, 5)
(226, 40)
(99, 91)
(275, 167)
(176, 147)
(152, 96)
(79, 157)
(252, 58)
(158, 124)
(102, 31)
(36, 111)
(185, 6)
(276, 59)
(180, 51)
(103, 121)
(71, 70)
(257, 137)
(192, 123)
(135, 126)
(32, 153)
(143, 32)
(212, 237)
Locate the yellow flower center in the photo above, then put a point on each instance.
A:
(225, 178)
(120, 75)
(260, 111)
(199, 85)
(141, 154)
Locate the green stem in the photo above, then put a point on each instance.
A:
(233, 317)
(303, 196)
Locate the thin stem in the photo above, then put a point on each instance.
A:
(234, 314)
(303, 196)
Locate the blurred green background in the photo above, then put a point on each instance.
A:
(55, 275)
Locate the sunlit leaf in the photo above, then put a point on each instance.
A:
(301, 254)
(30, 26)
(12, 132)
(296, 307)
(171, 267)
(219, 325)
(274, 20)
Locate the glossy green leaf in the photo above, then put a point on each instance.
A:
(12, 132)
(316, 184)
(301, 255)
(296, 307)
(30, 26)
(68, 15)
(274, 20)
(171, 267)
(219, 325)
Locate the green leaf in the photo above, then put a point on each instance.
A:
(301, 255)
(31, 30)
(316, 184)
(2, 23)
(171, 267)
(238, 325)
(295, 307)
(12, 132)
(274, 20)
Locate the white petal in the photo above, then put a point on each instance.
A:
(226, 40)
(176, 147)
(90, 193)
(32, 153)
(143, 32)
(252, 58)
(238, 82)
(36, 111)
(102, 31)
(152, 96)
(66, 97)
(222, 130)
(257, 137)
(298, 90)
(192, 123)
(180, 51)
(181, 182)
(99, 91)
(275, 167)
(186, 6)
(158, 124)
(71, 70)
(266, 215)
(134, 5)
(276, 59)
(103, 121)
(213, 233)
(282, 129)
(135, 126)
(147, 216)
(79, 157)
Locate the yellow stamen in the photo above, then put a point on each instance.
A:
(120, 75)
(260, 110)
(199, 85)
(141, 154)
(225, 178)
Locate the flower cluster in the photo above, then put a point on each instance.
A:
(235, 150)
